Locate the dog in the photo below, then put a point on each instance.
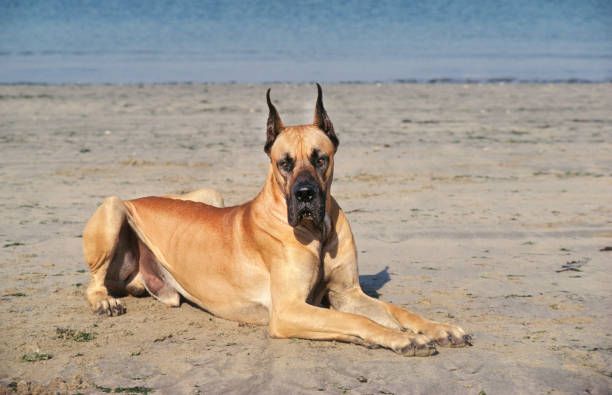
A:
(274, 260)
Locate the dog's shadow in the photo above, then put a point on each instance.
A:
(371, 283)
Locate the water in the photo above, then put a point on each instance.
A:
(61, 41)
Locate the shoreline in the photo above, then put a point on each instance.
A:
(431, 81)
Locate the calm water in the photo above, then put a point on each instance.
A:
(60, 41)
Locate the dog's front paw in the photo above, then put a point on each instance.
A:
(447, 335)
(415, 346)
(110, 307)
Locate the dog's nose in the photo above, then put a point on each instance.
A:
(304, 194)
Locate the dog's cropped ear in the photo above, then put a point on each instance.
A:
(275, 125)
(322, 121)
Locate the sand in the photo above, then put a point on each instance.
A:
(466, 202)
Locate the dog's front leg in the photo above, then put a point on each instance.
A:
(345, 293)
(355, 301)
(291, 316)
(301, 320)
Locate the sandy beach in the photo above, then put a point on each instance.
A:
(489, 206)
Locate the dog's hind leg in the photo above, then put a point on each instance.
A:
(106, 249)
(155, 277)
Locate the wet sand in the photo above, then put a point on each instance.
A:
(466, 202)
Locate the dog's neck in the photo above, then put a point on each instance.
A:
(275, 199)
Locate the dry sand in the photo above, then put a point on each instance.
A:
(465, 202)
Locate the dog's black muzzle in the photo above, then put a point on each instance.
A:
(306, 202)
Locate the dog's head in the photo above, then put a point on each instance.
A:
(302, 159)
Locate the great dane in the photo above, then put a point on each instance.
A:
(276, 260)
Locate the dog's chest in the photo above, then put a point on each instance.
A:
(318, 287)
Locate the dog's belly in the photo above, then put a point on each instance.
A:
(204, 258)
(224, 298)
(243, 296)
(246, 300)
(252, 313)
(222, 281)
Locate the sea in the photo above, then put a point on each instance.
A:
(343, 41)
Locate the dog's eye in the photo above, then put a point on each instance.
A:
(322, 161)
(285, 165)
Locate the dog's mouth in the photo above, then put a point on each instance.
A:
(304, 213)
